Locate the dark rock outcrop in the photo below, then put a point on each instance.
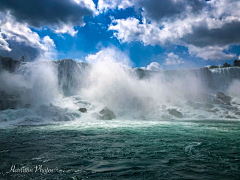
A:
(175, 113)
(104, 114)
(9, 101)
(223, 97)
(237, 113)
(8, 64)
(83, 110)
(107, 114)
(230, 117)
(217, 101)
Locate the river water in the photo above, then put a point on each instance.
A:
(122, 149)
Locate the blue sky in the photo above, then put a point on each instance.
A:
(174, 33)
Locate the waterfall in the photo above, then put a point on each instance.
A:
(71, 75)
(43, 81)
(212, 79)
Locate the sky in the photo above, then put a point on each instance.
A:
(152, 34)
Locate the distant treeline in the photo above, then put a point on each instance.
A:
(235, 63)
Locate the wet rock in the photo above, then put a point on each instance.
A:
(107, 114)
(229, 107)
(228, 103)
(234, 103)
(223, 97)
(175, 113)
(83, 110)
(230, 117)
(217, 101)
(237, 113)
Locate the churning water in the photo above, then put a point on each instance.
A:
(138, 149)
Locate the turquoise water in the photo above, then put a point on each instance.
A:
(204, 149)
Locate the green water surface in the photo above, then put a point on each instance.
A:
(149, 150)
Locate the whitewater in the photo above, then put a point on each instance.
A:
(168, 124)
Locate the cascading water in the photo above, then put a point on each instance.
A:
(126, 91)
(214, 79)
(71, 75)
(144, 141)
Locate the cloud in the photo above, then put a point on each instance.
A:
(214, 53)
(127, 30)
(155, 10)
(108, 56)
(48, 41)
(65, 28)
(17, 39)
(173, 59)
(105, 5)
(18, 17)
(49, 12)
(154, 66)
(215, 26)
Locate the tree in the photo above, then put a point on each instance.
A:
(236, 63)
(22, 59)
(213, 67)
(226, 65)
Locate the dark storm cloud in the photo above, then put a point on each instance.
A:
(45, 12)
(158, 9)
(202, 36)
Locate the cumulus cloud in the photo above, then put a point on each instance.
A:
(173, 59)
(153, 66)
(17, 39)
(18, 17)
(214, 27)
(109, 55)
(214, 53)
(65, 28)
(105, 5)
